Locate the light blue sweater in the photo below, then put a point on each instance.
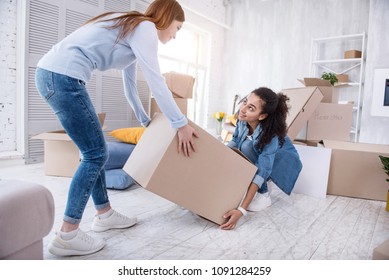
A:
(92, 47)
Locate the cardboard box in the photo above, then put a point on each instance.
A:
(330, 121)
(302, 102)
(209, 183)
(342, 78)
(356, 170)
(352, 54)
(181, 85)
(330, 92)
(61, 155)
(181, 102)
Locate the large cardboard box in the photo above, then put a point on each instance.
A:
(356, 170)
(182, 103)
(330, 92)
(302, 102)
(181, 85)
(61, 155)
(330, 121)
(209, 183)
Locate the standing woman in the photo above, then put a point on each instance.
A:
(110, 40)
(260, 135)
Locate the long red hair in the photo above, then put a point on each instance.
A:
(161, 12)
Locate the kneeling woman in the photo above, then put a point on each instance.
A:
(260, 135)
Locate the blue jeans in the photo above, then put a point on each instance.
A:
(70, 102)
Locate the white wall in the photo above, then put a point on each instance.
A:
(375, 129)
(8, 75)
(270, 45)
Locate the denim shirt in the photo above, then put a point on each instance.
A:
(280, 164)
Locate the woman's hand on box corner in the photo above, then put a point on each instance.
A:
(186, 142)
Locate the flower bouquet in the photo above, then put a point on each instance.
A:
(219, 116)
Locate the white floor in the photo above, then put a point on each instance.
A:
(294, 227)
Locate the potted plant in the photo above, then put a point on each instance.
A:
(385, 163)
(330, 77)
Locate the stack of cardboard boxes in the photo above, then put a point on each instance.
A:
(330, 119)
(181, 85)
(355, 169)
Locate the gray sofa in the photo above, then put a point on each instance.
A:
(26, 216)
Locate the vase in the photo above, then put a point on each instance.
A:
(219, 128)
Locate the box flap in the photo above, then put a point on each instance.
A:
(57, 135)
(181, 85)
(60, 135)
(302, 103)
(352, 146)
(158, 131)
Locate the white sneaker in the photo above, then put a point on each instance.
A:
(116, 220)
(260, 201)
(81, 244)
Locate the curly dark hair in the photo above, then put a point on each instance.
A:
(276, 107)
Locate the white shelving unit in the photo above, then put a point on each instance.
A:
(327, 56)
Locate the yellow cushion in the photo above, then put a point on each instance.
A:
(232, 119)
(128, 135)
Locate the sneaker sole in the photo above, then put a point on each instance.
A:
(97, 228)
(70, 252)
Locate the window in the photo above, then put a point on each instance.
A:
(187, 54)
